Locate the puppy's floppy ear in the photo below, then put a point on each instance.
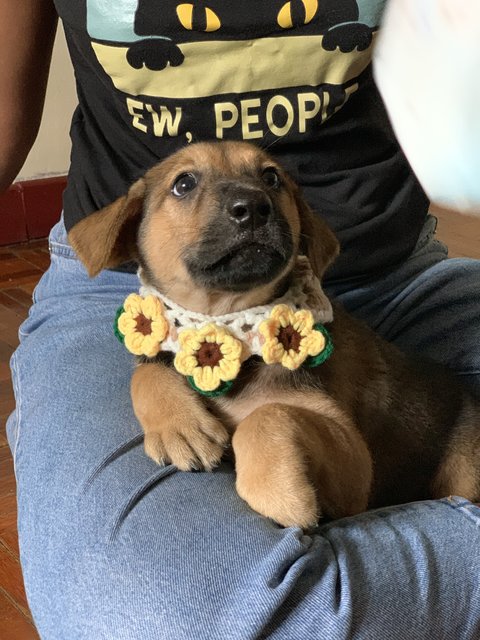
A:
(318, 241)
(107, 238)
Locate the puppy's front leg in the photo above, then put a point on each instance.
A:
(179, 429)
(293, 465)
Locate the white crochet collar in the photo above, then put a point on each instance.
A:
(305, 292)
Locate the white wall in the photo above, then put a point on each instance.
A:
(51, 151)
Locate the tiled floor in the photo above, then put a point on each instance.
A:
(20, 269)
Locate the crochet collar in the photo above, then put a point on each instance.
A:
(210, 350)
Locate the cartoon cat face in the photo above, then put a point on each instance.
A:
(336, 20)
(209, 16)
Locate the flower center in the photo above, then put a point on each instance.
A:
(289, 338)
(209, 354)
(144, 325)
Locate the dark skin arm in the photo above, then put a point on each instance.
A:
(27, 32)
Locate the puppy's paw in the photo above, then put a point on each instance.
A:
(282, 493)
(178, 427)
(193, 441)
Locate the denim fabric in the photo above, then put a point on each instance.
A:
(428, 306)
(115, 548)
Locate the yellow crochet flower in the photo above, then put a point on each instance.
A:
(210, 355)
(143, 325)
(290, 337)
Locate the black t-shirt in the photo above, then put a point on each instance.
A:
(292, 76)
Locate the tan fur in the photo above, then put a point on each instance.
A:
(321, 245)
(303, 442)
(106, 238)
(178, 427)
(295, 463)
(459, 471)
(455, 476)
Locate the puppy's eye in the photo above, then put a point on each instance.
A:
(184, 184)
(271, 178)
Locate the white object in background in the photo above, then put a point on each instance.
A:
(427, 67)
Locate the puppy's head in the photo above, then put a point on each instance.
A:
(217, 217)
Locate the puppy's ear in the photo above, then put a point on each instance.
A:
(318, 241)
(107, 238)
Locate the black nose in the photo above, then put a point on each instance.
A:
(251, 209)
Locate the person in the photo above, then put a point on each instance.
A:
(114, 546)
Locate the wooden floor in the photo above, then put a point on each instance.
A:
(20, 268)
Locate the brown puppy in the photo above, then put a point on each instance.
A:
(218, 227)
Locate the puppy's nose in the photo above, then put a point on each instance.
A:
(251, 209)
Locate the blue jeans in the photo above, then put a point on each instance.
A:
(114, 547)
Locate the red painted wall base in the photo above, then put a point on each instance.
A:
(29, 209)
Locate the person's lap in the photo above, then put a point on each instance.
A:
(115, 547)
(429, 306)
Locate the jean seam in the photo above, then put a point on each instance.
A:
(467, 508)
(18, 408)
(62, 250)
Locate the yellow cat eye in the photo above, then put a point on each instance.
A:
(285, 17)
(185, 15)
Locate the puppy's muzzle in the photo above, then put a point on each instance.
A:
(247, 243)
(248, 209)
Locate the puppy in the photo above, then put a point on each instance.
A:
(220, 228)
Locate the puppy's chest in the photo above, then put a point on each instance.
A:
(259, 385)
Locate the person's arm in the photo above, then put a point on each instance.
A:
(27, 32)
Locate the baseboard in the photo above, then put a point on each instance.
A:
(29, 209)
